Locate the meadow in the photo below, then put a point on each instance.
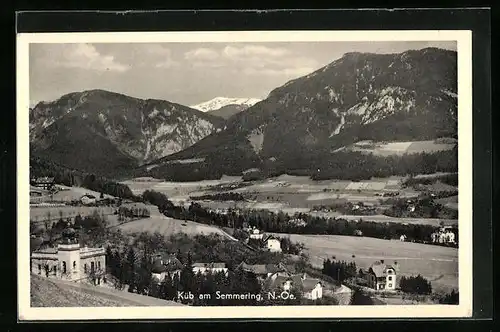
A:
(437, 264)
(401, 148)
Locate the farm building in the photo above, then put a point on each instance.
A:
(46, 183)
(69, 261)
(209, 268)
(381, 276)
(272, 243)
(88, 199)
(164, 264)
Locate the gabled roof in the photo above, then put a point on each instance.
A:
(309, 284)
(380, 269)
(269, 237)
(259, 268)
(170, 263)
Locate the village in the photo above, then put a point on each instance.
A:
(67, 259)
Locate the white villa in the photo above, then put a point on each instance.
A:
(69, 261)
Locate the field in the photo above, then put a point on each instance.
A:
(438, 264)
(292, 194)
(400, 148)
(42, 213)
(167, 226)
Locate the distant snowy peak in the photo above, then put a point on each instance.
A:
(219, 102)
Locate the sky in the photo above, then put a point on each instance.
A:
(187, 73)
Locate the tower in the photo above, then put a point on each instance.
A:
(68, 255)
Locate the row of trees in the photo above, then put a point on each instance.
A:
(228, 196)
(132, 212)
(415, 285)
(279, 223)
(450, 179)
(339, 270)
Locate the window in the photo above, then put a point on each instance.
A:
(74, 265)
(85, 268)
(389, 278)
(99, 265)
(64, 267)
(55, 269)
(39, 269)
(389, 271)
(91, 266)
(390, 285)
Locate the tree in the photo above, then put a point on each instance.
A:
(130, 267)
(415, 285)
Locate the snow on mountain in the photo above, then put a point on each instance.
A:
(219, 102)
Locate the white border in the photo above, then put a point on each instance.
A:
(464, 309)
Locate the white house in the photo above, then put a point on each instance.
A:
(272, 244)
(165, 264)
(381, 276)
(402, 238)
(210, 268)
(256, 234)
(69, 261)
(444, 235)
(88, 199)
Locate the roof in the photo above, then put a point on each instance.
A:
(170, 263)
(210, 265)
(309, 284)
(269, 237)
(380, 269)
(259, 268)
(88, 195)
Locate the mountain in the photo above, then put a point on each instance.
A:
(110, 133)
(361, 96)
(226, 107)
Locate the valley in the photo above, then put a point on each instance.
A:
(355, 162)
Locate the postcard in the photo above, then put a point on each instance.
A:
(247, 174)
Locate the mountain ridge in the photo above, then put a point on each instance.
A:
(108, 129)
(406, 96)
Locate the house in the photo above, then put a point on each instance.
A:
(310, 288)
(212, 268)
(444, 235)
(403, 238)
(256, 234)
(272, 243)
(69, 261)
(165, 264)
(88, 199)
(46, 183)
(381, 276)
(261, 271)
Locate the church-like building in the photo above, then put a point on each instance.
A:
(69, 261)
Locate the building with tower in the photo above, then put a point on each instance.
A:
(69, 261)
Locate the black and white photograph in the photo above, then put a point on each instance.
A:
(188, 174)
